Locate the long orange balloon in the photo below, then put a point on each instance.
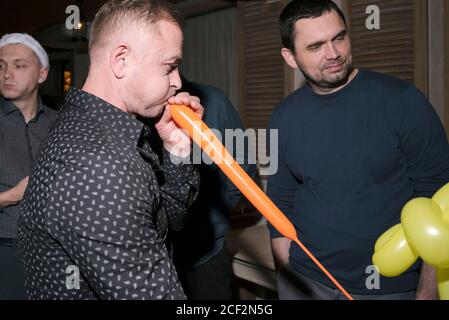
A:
(206, 139)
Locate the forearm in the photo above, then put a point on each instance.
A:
(178, 150)
(8, 198)
(179, 190)
(179, 172)
(427, 286)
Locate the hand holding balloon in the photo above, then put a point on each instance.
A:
(424, 232)
(174, 138)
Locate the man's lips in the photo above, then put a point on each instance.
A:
(334, 67)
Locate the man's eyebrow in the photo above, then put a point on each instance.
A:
(15, 60)
(174, 60)
(315, 44)
(340, 34)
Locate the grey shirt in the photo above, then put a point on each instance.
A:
(20, 144)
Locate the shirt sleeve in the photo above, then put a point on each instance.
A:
(179, 189)
(424, 144)
(281, 186)
(104, 223)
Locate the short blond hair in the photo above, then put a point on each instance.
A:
(115, 14)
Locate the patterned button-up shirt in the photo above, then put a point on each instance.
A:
(98, 206)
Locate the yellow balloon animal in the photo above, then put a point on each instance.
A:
(423, 232)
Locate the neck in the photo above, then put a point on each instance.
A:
(28, 105)
(324, 91)
(103, 89)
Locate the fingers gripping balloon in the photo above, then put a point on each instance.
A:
(424, 232)
(206, 139)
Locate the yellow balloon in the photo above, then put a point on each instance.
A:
(392, 253)
(442, 199)
(386, 236)
(446, 217)
(426, 231)
(443, 283)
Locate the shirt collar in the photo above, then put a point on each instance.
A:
(118, 122)
(8, 107)
(41, 107)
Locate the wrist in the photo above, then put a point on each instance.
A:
(178, 151)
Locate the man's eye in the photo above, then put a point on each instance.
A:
(171, 68)
(314, 48)
(20, 66)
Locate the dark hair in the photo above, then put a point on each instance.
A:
(115, 12)
(303, 9)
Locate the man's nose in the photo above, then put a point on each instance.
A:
(332, 52)
(7, 73)
(175, 80)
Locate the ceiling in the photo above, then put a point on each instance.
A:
(46, 19)
(31, 16)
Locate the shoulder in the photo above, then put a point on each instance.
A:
(51, 113)
(75, 128)
(384, 82)
(393, 90)
(284, 112)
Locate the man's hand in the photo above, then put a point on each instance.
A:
(14, 195)
(427, 287)
(174, 139)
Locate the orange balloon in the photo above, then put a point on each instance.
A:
(206, 139)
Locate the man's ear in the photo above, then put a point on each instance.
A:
(119, 59)
(43, 73)
(289, 58)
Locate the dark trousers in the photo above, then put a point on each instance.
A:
(210, 280)
(12, 279)
(294, 286)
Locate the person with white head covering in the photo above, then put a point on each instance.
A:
(30, 42)
(24, 123)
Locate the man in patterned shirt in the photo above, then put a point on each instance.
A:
(100, 202)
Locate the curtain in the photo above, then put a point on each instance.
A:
(209, 54)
